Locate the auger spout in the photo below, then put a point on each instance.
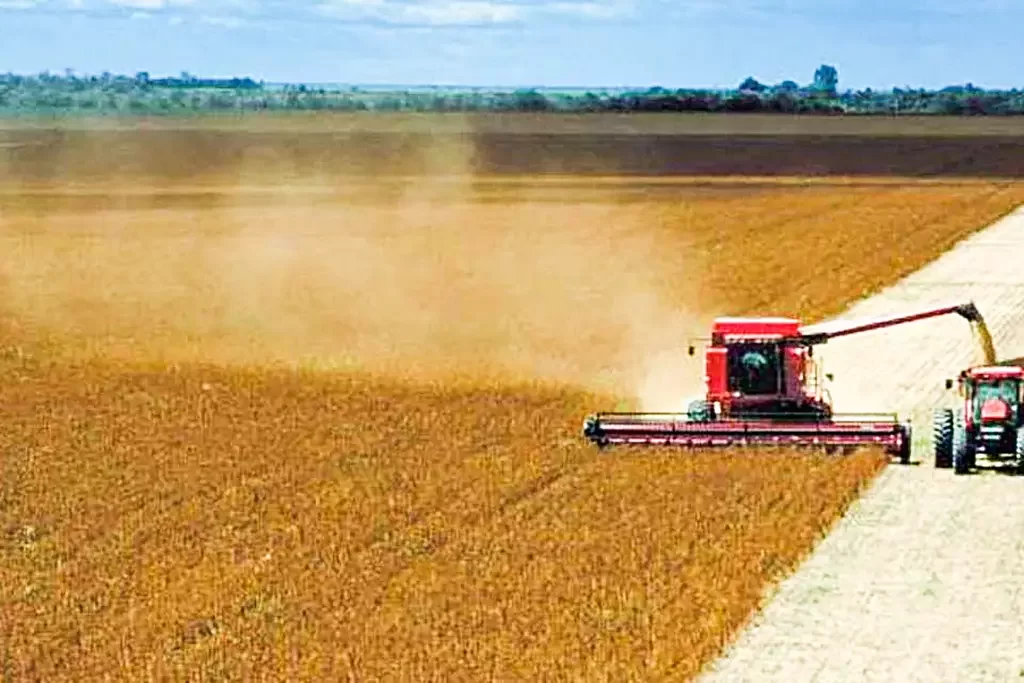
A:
(988, 347)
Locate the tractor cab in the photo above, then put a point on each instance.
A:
(992, 395)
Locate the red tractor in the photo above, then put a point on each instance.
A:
(988, 421)
(763, 388)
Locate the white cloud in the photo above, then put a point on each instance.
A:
(404, 13)
(224, 22)
(470, 12)
(833, 8)
(139, 4)
(428, 12)
(593, 9)
(462, 12)
(150, 4)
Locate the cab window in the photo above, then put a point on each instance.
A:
(754, 369)
(1008, 390)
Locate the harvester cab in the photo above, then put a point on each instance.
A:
(763, 387)
(759, 367)
(987, 421)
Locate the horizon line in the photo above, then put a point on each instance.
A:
(496, 87)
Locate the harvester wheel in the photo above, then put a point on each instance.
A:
(942, 434)
(592, 432)
(908, 437)
(699, 411)
(963, 453)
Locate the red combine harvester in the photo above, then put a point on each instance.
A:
(988, 422)
(763, 388)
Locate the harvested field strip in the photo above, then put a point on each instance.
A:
(164, 155)
(930, 561)
(521, 183)
(634, 123)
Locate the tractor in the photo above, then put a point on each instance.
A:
(988, 420)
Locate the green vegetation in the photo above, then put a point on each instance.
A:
(140, 94)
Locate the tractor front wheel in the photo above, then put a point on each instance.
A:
(942, 436)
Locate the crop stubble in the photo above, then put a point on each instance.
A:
(429, 512)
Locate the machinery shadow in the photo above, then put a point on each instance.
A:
(1001, 468)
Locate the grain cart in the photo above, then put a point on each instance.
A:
(762, 387)
(988, 420)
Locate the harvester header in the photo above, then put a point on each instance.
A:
(762, 387)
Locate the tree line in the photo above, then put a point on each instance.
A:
(141, 94)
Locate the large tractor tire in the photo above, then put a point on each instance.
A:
(942, 436)
(963, 451)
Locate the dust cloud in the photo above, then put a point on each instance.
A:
(427, 276)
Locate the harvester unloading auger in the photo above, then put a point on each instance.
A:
(762, 388)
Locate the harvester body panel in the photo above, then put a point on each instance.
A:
(716, 366)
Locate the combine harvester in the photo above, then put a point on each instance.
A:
(762, 388)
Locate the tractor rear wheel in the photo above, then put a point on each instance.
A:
(963, 452)
(942, 435)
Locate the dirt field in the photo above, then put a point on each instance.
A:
(297, 147)
(330, 425)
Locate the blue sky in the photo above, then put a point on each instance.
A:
(700, 43)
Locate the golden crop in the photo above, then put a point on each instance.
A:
(253, 524)
(307, 432)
